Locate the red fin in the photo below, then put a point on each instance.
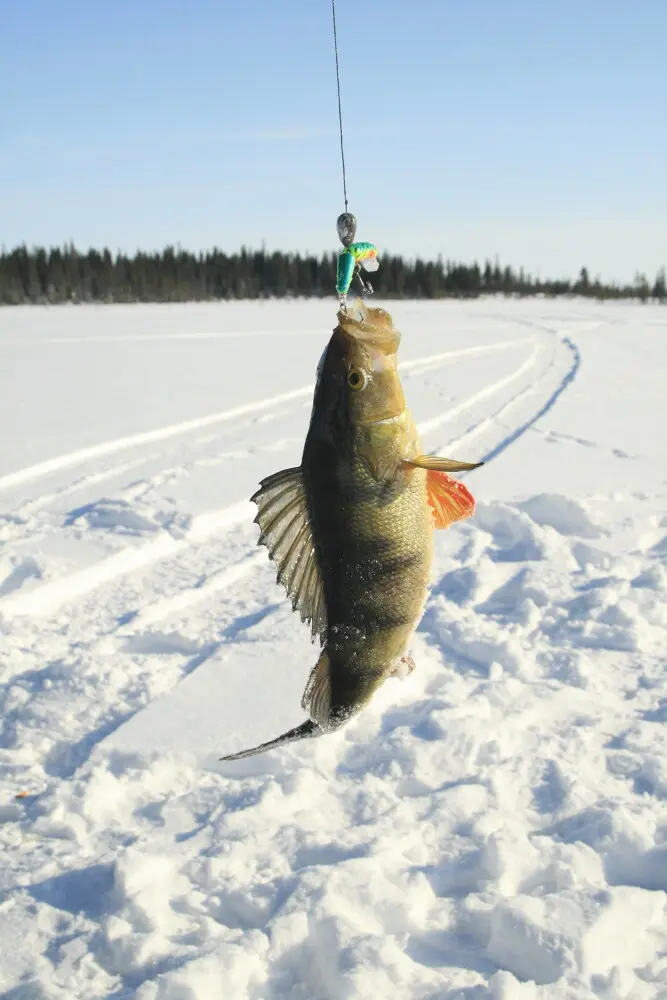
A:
(449, 499)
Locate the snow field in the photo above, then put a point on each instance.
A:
(493, 826)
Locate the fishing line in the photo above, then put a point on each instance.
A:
(340, 112)
(355, 255)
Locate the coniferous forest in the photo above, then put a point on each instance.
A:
(65, 274)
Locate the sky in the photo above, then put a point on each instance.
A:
(534, 131)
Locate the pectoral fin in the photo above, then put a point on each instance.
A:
(437, 464)
(302, 732)
(449, 499)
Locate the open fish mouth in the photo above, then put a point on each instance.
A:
(373, 326)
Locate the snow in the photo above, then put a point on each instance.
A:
(493, 826)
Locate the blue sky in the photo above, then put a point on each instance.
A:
(532, 130)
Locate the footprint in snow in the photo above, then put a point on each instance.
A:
(112, 515)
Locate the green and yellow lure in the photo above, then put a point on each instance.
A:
(352, 257)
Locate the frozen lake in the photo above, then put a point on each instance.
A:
(494, 826)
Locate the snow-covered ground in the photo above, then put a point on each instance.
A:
(493, 826)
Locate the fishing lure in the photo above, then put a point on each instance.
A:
(355, 256)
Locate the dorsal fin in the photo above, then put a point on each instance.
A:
(282, 516)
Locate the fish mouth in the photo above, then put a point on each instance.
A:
(391, 418)
(371, 325)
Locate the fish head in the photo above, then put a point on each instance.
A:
(359, 398)
(369, 364)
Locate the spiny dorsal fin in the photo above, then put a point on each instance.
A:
(282, 516)
(317, 695)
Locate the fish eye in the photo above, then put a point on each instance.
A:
(356, 378)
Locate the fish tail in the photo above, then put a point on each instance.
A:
(304, 731)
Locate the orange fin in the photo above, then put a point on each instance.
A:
(450, 500)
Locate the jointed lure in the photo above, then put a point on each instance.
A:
(353, 257)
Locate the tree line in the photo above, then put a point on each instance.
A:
(41, 276)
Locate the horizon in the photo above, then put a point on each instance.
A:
(499, 132)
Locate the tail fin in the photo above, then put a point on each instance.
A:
(302, 732)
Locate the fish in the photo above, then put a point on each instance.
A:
(351, 528)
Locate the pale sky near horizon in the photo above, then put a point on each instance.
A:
(535, 131)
